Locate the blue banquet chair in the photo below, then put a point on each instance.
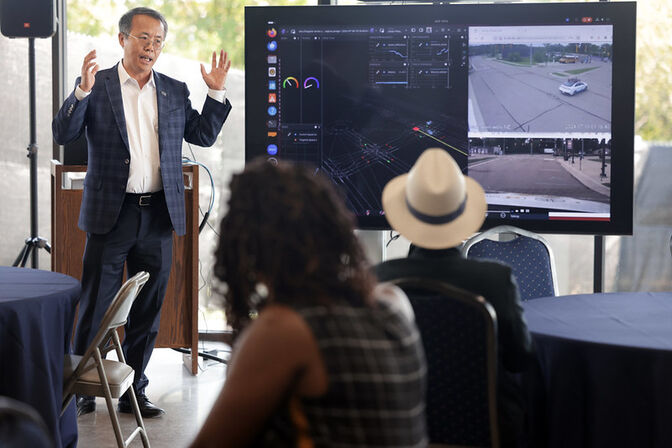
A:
(528, 254)
(459, 337)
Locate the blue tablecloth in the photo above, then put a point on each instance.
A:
(606, 365)
(37, 310)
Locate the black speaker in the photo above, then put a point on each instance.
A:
(28, 18)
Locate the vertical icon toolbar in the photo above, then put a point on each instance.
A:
(272, 122)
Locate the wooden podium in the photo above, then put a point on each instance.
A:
(179, 315)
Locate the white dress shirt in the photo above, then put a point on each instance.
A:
(142, 126)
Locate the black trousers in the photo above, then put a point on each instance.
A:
(142, 238)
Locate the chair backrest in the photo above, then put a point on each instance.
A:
(459, 336)
(114, 317)
(528, 254)
(125, 297)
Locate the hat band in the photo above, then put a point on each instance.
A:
(441, 219)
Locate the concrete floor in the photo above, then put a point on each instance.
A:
(187, 400)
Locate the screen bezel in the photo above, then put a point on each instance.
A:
(622, 15)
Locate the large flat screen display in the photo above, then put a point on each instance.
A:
(534, 101)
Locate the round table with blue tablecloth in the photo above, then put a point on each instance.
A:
(606, 366)
(37, 311)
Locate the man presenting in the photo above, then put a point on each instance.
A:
(134, 120)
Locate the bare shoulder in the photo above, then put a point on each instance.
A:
(273, 359)
(281, 321)
(281, 344)
(277, 327)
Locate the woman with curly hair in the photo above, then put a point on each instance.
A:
(324, 358)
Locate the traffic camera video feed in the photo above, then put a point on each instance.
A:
(540, 120)
(551, 80)
(543, 178)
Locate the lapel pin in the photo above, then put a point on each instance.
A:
(164, 93)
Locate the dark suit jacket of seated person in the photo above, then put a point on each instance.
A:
(329, 361)
(135, 120)
(436, 208)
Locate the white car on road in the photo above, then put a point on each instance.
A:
(573, 86)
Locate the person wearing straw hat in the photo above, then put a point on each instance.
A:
(436, 207)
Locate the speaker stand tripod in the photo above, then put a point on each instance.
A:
(34, 242)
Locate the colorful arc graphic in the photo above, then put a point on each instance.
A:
(291, 82)
(417, 129)
(307, 85)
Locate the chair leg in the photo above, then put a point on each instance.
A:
(131, 392)
(66, 402)
(108, 401)
(134, 401)
(138, 417)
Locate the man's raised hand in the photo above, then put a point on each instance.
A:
(89, 70)
(217, 76)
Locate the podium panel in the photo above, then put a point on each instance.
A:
(179, 315)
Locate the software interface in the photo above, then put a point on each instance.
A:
(518, 107)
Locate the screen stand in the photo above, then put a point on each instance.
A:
(373, 242)
(598, 264)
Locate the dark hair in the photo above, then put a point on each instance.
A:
(289, 229)
(127, 19)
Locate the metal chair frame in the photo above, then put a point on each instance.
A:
(106, 340)
(487, 312)
(511, 230)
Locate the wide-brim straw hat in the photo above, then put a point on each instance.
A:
(434, 205)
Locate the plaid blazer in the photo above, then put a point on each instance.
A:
(377, 377)
(101, 116)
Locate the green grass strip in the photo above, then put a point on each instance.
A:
(580, 70)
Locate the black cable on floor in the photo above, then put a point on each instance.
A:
(203, 355)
